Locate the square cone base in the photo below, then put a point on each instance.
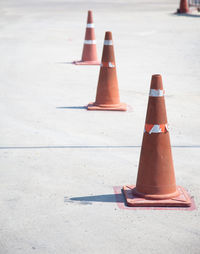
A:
(179, 12)
(119, 107)
(86, 62)
(183, 200)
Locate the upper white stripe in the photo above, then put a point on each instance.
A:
(91, 25)
(156, 93)
(90, 42)
(108, 42)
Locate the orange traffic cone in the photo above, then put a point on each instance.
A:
(156, 184)
(107, 96)
(89, 55)
(183, 7)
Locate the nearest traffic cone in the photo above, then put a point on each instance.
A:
(89, 55)
(156, 184)
(107, 96)
(183, 7)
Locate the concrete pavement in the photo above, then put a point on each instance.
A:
(59, 162)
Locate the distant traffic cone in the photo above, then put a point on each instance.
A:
(183, 7)
(156, 184)
(107, 96)
(89, 55)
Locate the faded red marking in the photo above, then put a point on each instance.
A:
(120, 200)
(148, 127)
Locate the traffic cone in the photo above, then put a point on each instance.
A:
(183, 7)
(89, 55)
(156, 184)
(107, 96)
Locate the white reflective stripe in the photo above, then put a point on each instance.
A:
(108, 42)
(90, 25)
(90, 42)
(156, 129)
(156, 93)
(111, 65)
(108, 64)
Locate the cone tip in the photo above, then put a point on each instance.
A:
(90, 18)
(108, 35)
(156, 82)
(156, 75)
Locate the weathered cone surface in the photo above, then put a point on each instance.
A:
(89, 54)
(156, 178)
(183, 7)
(107, 96)
(156, 184)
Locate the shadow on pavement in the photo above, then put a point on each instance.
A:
(65, 62)
(190, 15)
(72, 107)
(88, 200)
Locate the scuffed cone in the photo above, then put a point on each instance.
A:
(108, 50)
(107, 95)
(183, 6)
(90, 17)
(156, 178)
(156, 111)
(89, 53)
(107, 90)
(156, 82)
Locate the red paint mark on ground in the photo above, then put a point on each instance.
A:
(120, 200)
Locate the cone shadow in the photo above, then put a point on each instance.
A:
(106, 198)
(65, 62)
(72, 107)
(189, 15)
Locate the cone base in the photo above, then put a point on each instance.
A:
(86, 62)
(150, 196)
(182, 12)
(182, 200)
(118, 107)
